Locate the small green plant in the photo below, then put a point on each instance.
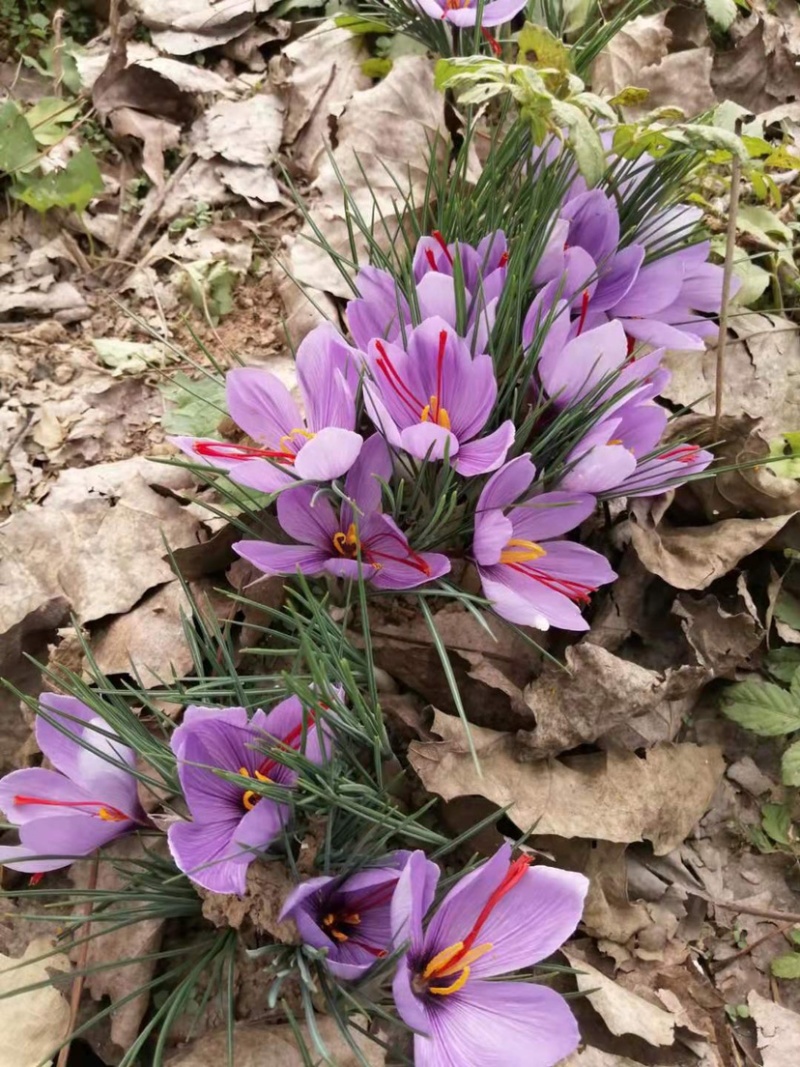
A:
(788, 965)
(201, 216)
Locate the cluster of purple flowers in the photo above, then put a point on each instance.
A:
(420, 373)
(503, 917)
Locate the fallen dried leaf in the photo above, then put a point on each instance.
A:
(614, 796)
(778, 1031)
(268, 886)
(36, 1022)
(277, 1046)
(241, 131)
(623, 1012)
(722, 641)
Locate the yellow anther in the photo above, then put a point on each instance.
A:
(287, 442)
(249, 798)
(434, 413)
(446, 990)
(442, 959)
(517, 551)
(110, 816)
(347, 544)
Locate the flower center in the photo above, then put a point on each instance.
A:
(450, 968)
(433, 410)
(102, 811)
(517, 551)
(347, 544)
(249, 798)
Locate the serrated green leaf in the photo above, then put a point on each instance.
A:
(198, 406)
(18, 148)
(790, 765)
(50, 119)
(540, 48)
(787, 609)
(762, 707)
(721, 12)
(787, 966)
(764, 226)
(782, 663)
(777, 823)
(73, 187)
(630, 96)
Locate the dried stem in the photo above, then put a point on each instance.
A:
(77, 981)
(791, 917)
(730, 249)
(781, 929)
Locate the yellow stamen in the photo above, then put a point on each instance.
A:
(110, 816)
(442, 959)
(286, 441)
(434, 412)
(445, 991)
(339, 936)
(465, 961)
(517, 551)
(347, 544)
(249, 798)
(616, 441)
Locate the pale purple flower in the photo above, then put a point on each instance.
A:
(383, 312)
(318, 446)
(529, 573)
(465, 12)
(232, 824)
(88, 800)
(432, 398)
(349, 916)
(354, 541)
(500, 918)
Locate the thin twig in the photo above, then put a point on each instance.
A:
(730, 249)
(750, 948)
(761, 913)
(77, 981)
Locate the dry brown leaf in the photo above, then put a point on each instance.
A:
(623, 1012)
(778, 1031)
(593, 1057)
(182, 27)
(762, 374)
(692, 557)
(268, 886)
(723, 642)
(276, 1046)
(35, 1023)
(761, 70)
(318, 75)
(600, 691)
(157, 135)
(642, 42)
(127, 944)
(241, 131)
(613, 796)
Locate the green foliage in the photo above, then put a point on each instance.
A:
(72, 187)
(197, 406)
(786, 966)
(764, 708)
(721, 12)
(210, 284)
(782, 663)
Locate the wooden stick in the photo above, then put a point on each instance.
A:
(760, 913)
(77, 981)
(730, 250)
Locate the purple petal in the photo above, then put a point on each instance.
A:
(657, 285)
(601, 468)
(436, 296)
(260, 474)
(528, 602)
(594, 224)
(507, 485)
(493, 531)
(202, 850)
(585, 362)
(282, 559)
(53, 789)
(516, 1024)
(308, 517)
(412, 899)
(427, 440)
(641, 427)
(617, 280)
(260, 826)
(551, 515)
(320, 355)
(550, 316)
(261, 405)
(411, 1008)
(485, 454)
(363, 483)
(495, 13)
(70, 835)
(551, 261)
(662, 335)
(328, 455)
(380, 416)
(19, 858)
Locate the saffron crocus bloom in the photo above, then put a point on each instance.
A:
(465, 12)
(350, 917)
(231, 824)
(316, 447)
(433, 398)
(355, 541)
(501, 918)
(88, 800)
(383, 312)
(528, 572)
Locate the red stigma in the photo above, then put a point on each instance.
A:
(503, 260)
(431, 258)
(683, 453)
(575, 591)
(436, 235)
(35, 878)
(411, 558)
(439, 371)
(513, 876)
(111, 814)
(392, 376)
(584, 312)
(287, 743)
(631, 345)
(225, 451)
(498, 51)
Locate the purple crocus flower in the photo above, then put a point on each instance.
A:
(357, 541)
(530, 575)
(500, 918)
(350, 916)
(231, 824)
(318, 447)
(88, 800)
(465, 12)
(433, 398)
(382, 310)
